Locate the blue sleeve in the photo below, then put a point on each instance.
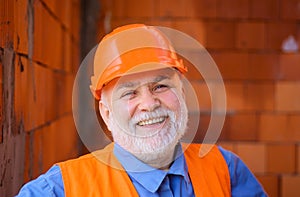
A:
(48, 184)
(243, 182)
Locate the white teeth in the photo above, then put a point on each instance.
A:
(151, 121)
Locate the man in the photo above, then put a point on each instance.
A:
(138, 82)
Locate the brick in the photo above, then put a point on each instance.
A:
(233, 9)
(273, 127)
(287, 95)
(20, 88)
(137, 9)
(293, 126)
(277, 32)
(220, 35)
(228, 146)
(198, 124)
(254, 156)
(75, 55)
(290, 9)
(40, 106)
(242, 127)
(51, 4)
(52, 43)
(51, 100)
(63, 11)
(21, 21)
(267, 9)
(7, 24)
(67, 53)
(34, 111)
(117, 7)
(289, 66)
(260, 96)
(235, 96)
(298, 159)
(203, 95)
(173, 8)
(263, 66)
(64, 134)
(250, 35)
(203, 8)
(75, 24)
(193, 28)
(1, 98)
(281, 158)
(232, 65)
(290, 186)
(211, 136)
(28, 158)
(270, 184)
(203, 126)
(279, 127)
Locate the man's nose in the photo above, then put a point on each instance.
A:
(148, 101)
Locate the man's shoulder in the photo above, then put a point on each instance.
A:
(48, 184)
(98, 154)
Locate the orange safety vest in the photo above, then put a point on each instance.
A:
(87, 176)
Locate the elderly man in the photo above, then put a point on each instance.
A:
(142, 102)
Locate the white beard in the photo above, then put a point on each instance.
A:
(155, 149)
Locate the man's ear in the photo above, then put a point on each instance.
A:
(104, 112)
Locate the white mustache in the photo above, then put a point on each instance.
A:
(148, 116)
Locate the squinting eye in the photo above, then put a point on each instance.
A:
(128, 94)
(160, 88)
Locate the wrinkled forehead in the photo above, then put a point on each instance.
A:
(146, 77)
(142, 78)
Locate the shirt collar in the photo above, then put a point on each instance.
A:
(150, 178)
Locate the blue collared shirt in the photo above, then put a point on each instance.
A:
(155, 182)
(150, 181)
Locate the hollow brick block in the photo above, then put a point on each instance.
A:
(273, 127)
(235, 93)
(254, 155)
(290, 9)
(277, 32)
(263, 66)
(267, 9)
(289, 66)
(138, 9)
(281, 158)
(270, 184)
(232, 65)
(233, 9)
(203, 8)
(193, 28)
(260, 96)
(290, 186)
(287, 95)
(250, 35)
(242, 127)
(21, 26)
(173, 8)
(220, 35)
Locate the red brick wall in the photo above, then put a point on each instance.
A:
(262, 82)
(39, 56)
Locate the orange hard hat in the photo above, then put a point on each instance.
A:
(131, 49)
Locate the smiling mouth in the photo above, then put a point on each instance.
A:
(152, 121)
